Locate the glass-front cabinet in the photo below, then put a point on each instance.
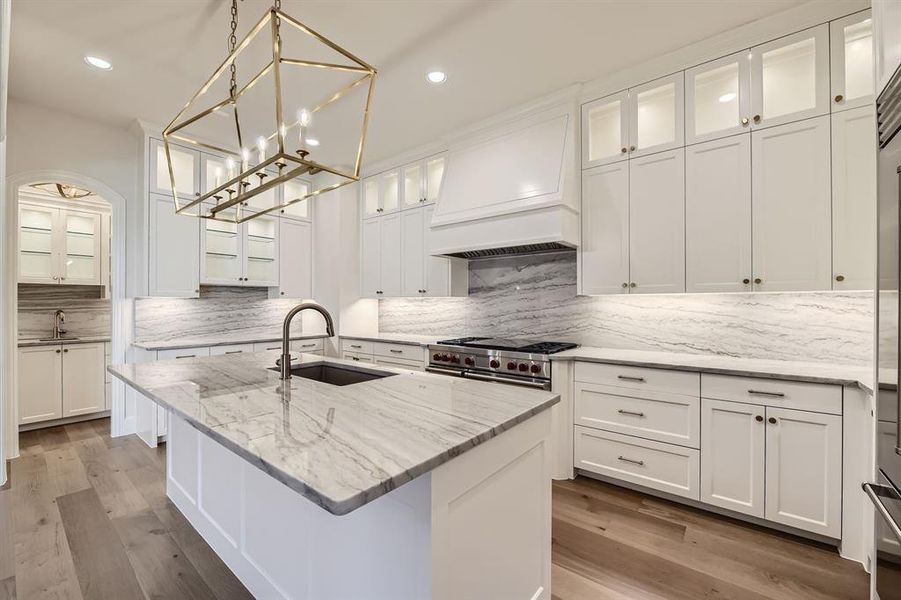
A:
(243, 254)
(261, 251)
(605, 130)
(59, 246)
(413, 188)
(297, 188)
(38, 261)
(389, 192)
(851, 43)
(790, 78)
(185, 167)
(434, 175)
(656, 116)
(718, 98)
(371, 202)
(80, 252)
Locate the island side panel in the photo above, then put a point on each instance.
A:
(281, 545)
(491, 518)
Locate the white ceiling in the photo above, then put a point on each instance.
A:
(497, 53)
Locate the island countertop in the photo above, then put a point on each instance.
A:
(340, 447)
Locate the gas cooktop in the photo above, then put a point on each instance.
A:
(510, 344)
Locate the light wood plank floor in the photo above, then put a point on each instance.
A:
(86, 516)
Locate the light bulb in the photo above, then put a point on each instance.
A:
(261, 149)
(304, 117)
(230, 166)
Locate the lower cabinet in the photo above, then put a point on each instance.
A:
(231, 349)
(400, 356)
(61, 381)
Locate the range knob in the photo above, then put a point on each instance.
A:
(455, 359)
(511, 366)
(469, 361)
(445, 357)
(494, 363)
(535, 368)
(436, 356)
(523, 367)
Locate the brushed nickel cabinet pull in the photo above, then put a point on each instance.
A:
(628, 378)
(640, 463)
(762, 393)
(630, 412)
(744, 121)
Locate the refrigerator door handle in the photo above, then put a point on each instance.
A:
(871, 490)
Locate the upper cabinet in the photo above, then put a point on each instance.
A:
(174, 251)
(605, 130)
(297, 188)
(790, 78)
(185, 168)
(243, 254)
(851, 41)
(656, 116)
(718, 98)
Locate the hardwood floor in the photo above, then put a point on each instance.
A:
(86, 516)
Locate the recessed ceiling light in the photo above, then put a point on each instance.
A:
(727, 97)
(312, 142)
(436, 76)
(99, 63)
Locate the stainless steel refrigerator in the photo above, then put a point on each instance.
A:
(885, 492)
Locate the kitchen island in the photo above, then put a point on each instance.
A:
(412, 485)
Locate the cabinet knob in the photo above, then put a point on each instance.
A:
(624, 150)
(758, 280)
(744, 121)
(758, 418)
(772, 420)
(839, 97)
(631, 148)
(746, 281)
(839, 277)
(282, 293)
(66, 350)
(633, 284)
(625, 285)
(62, 278)
(58, 351)
(757, 118)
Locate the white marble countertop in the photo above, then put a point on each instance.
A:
(397, 338)
(217, 341)
(340, 447)
(81, 339)
(727, 365)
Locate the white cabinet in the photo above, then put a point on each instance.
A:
(604, 253)
(293, 190)
(656, 116)
(605, 130)
(38, 243)
(443, 276)
(718, 215)
(656, 223)
(60, 246)
(174, 256)
(732, 456)
(718, 98)
(370, 258)
(185, 167)
(422, 182)
(851, 43)
(231, 349)
(83, 379)
(804, 470)
(295, 249)
(412, 185)
(40, 384)
(261, 252)
(886, 40)
(390, 254)
(371, 197)
(423, 274)
(791, 209)
(61, 381)
(243, 254)
(790, 78)
(854, 199)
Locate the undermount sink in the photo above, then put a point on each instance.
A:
(335, 374)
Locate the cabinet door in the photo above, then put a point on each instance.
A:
(412, 185)
(185, 167)
(437, 268)
(657, 116)
(657, 223)
(605, 230)
(174, 250)
(413, 252)
(605, 130)
(38, 244)
(804, 470)
(261, 251)
(295, 248)
(80, 252)
(371, 202)
(83, 380)
(851, 43)
(264, 200)
(391, 256)
(222, 252)
(214, 171)
(370, 261)
(886, 40)
(790, 78)
(854, 199)
(40, 384)
(390, 192)
(294, 189)
(718, 98)
(732, 456)
(434, 176)
(718, 215)
(791, 212)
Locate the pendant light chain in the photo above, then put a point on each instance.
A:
(232, 43)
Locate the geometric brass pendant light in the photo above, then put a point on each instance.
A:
(263, 124)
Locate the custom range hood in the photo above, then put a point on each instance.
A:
(511, 187)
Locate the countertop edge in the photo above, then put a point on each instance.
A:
(33, 343)
(424, 342)
(181, 345)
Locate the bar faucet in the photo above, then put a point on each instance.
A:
(59, 321)
(286, 332)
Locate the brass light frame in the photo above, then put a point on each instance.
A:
(299, 165)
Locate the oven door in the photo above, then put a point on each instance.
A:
(887, 566)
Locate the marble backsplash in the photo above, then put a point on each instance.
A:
(220, 311)
(535, 296)
(87, 312)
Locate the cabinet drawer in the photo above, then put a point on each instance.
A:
(310, 346)
(814, 397)
(357, 356)
(640, 378)
(399, 363)
(266, 346)
(351, 345)
(405, 351)
(671, 418)
(231, 349)
(182, 353)
(664, 467)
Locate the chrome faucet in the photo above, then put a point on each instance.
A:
(286, 332)
(59, 321)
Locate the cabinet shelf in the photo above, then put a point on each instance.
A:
(36, 229)
(40, 252)
(223, 254)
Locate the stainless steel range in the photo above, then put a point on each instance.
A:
(516, 361)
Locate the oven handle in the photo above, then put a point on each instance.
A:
(870, 490)
(439, 370)
(501, 379)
